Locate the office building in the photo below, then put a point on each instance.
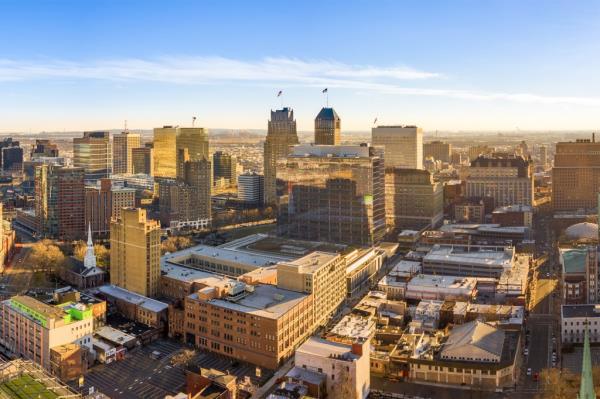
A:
(412, 199)
(44, 148)
(165, 153)
(135, 252)
(251, 189)
(469, 212)
(321, 274)
(186, 201)
(142, 160)
(260, 324)
(92, 152)
(576, 175)
(191, 145)
(281, 135)
(11, 156)
(104, 202)
(328, 127)
(123, 144)
(332, 194)
(506, 178)
(30, 328)
(225, 169)
(403, 145)
(473, 261)
(438, 150)
(60, 202)
(477, 150)
(543, 157)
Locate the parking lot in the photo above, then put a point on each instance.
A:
(141, 376)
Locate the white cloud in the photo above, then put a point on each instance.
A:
(272, 71)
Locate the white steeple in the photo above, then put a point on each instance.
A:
(89, 261)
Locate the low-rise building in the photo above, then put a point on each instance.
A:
(575, 318)
(469, 212)
(136, 307)
(362, 267)
(427, 286)
(579, 274)
(513, 215)
(30, 328)
(482, 261)
(346, 366)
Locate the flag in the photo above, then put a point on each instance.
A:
(280, 93)
(325, 90)
(375, 121)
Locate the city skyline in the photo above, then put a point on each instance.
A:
(495, 66)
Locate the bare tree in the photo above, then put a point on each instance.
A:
(46, 256)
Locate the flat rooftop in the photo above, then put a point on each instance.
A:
(483, 257)
(442, 282)
(338, 151)
(589, 310)
(114, 336)
(47, 311)
(266, 301)
(284, 249)
(324, 348)
(312, 262)
(128, 296)
(190, 275)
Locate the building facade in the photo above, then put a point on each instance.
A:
(333, 194)
(123, 144)
(412, 199)
(437, 150)
(328, 127)
(224, 169)
(281, 135)
(142, 160)
(403, 145)
(251, 189)
(506, 178)
(135, 252)
(92, 152)
(104, 202)
(576, 175)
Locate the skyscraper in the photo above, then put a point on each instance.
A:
(44, 148)
(438, 150)
(576, 175)
(403, 145)
(543, 156)
(60, 202)
(281, 134)
(92, 153)
(142, 160)
(251, 188)
(328, 127)
(332, 193)
(123, 144)
(11, 155)
(104, 202)
(135, 252)
(165, 152)
(191, 145)
(224, 169)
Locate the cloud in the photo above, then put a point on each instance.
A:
(277, 72)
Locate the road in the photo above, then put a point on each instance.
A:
(17, 274)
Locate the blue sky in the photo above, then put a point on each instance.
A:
(459, 65)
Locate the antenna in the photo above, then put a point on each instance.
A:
(125, 124)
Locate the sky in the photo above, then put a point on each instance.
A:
(443, 65)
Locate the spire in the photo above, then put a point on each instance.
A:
(586, 389)
(89, 261)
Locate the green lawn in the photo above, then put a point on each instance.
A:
(25, 387)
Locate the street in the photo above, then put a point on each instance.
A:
(17, 274)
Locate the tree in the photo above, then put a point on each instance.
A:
(102, 255)
(183, 358)
(46, 256)
(175, 243)
(79, 249)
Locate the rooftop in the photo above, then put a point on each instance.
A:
(266, 301)
(513, 208)
(312, 262)
(354, 327)
(483, 256)
(50, 312)
(443, 282)
(325, 151)
(574, 260)
(144, 302)
(323, 348)
(590, 310)
(189, 275)
(114, 336)
(474, 341)
(327, 113)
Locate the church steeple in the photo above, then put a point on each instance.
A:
(89, 261)
(586, 389)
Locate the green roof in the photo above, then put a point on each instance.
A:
(25, 387)
(574, 260)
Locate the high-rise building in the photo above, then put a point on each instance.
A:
(332, 193)
(186, 202)
(576, 175)
(142, 160)
(507, 178)
(60, 202)
(438, 150)
(251, 188)
(191, 145)
(103, 202)
(225, 169)
(328, 127)
(281, 135)
(44, 148)
(412, 199)
(477, 150)
(11, 155)
(135, 252)
(123, 144)
(165, 152)
(544, 156)
(403, 145)
(92, 153)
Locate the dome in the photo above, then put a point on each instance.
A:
(582, 231)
